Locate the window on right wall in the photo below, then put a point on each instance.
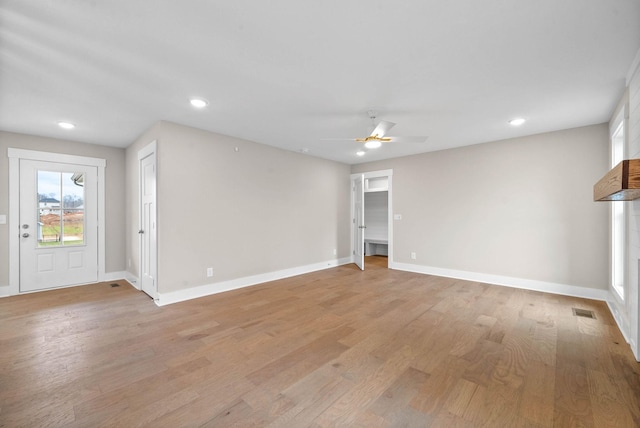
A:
(618, 241)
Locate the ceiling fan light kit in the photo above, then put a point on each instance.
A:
(372, 144)
(377, 136)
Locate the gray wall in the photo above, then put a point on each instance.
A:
(521, 208)
(114, 187)
(244, 213)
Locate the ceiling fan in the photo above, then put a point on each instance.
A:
(378, 135)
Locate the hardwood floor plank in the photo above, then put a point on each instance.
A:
(609, 408)
(365, 392)
(339, 347)
(537, 402)
(399, 395)
(572, 400)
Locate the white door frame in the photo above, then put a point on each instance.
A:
(14, 206)
(148, 150)
(358, 222)
(375, 174)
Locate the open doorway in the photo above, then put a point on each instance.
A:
(376, 234)
(372, 218)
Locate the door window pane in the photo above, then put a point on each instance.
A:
(60, 208)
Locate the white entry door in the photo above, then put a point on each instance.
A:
(147, 231)
(58, 224)
(358, 221)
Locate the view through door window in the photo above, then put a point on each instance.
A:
(60, 208)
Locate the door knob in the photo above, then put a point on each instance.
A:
(25, 226)
(25, 235)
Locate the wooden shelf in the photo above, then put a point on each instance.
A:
(622, 183)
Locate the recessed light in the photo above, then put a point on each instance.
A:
(66, 125)
(360, 153)
(373, 144)
(199, 102)
(517, 121)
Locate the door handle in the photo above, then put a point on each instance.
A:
(25, 235)
(362, 227)
(141, 231)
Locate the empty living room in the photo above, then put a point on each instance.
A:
(319, 214)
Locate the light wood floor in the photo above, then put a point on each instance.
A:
(338, 347)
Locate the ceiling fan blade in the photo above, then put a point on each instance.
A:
(338, 139)
(408, 139)
(383, 127)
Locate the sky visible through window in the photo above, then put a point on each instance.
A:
(59, 186)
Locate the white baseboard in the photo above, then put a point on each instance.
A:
(112, 276)
(131, 279)
(528, 284)
(507, 281)
(5, 290)
(623, 324)
(234, 284)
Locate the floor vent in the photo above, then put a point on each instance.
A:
(583, 313)
(115, 284)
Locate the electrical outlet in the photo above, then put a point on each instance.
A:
(335, 252)
(209, 271)
(413, 256)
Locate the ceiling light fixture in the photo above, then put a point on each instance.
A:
(372, 144)
(199, 102)
(517, 121)
(360, 153)
(66, 125)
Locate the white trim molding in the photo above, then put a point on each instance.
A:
(507, 281)
(234, 284)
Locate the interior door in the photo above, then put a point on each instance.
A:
(358, 221)
(147, 232)
(58, 225)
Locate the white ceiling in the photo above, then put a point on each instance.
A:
(289, 73)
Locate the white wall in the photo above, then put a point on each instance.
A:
(626, 311)
(631, 307)
(520, 208)
(244, 213)
(114, 188)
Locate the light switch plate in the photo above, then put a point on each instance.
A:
(3, 219)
